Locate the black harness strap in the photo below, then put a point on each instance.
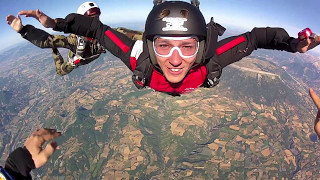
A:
(213, 31)
(214, 70)
(142, 73)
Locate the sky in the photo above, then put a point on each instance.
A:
(292, 15)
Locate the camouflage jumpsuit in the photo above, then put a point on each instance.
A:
(92, 49)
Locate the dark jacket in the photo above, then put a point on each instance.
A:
(19, 165)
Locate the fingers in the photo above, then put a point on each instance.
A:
(14, 22)
(317, 124)
(317, 39)
(315, 98)
(18, 17)
(35, 142)
(28, 13)
(38, 13)
(10, 18)
(47, 134)
(303, 46)
(40, 136)
(45, 154)
(50, 149)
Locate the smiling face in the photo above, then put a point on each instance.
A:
(175, 56)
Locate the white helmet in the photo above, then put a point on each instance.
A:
(88, 9)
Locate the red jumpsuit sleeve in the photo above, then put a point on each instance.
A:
(235, 48)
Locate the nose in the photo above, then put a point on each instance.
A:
(175, 58)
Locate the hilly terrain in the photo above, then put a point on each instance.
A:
(255, 124)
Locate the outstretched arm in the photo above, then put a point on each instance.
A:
(39, 37)
(316, 101)
(42, 39)
(235, 48)
(45, 20)
(115, 42)
(22, 160)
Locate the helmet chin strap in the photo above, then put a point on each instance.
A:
(152, 55)
(200, 57)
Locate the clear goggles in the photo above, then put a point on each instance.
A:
(188, 48)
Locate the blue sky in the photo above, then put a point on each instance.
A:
(293, 15)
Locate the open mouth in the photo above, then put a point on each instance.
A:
(175, 69)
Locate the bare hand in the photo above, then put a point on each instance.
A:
(307, 44)
(35, 142)
(14, 22)
(316, 101)
(45, 20)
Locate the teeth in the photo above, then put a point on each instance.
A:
(175, 70)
